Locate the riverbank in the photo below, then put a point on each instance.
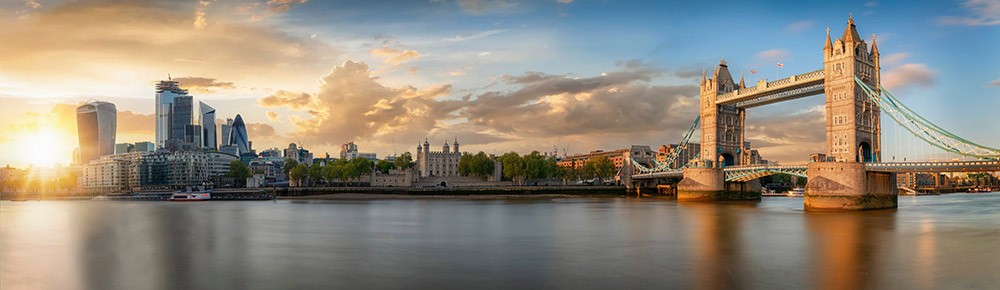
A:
(510, 192)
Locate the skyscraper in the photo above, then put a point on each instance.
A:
(96, 123)
(227, 131)
(166, 92)
(239, 135)
(185, 125)
(209, 138)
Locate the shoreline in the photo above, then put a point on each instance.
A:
(384, 196)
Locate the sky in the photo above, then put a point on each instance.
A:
(498, 75)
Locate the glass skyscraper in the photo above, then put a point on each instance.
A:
(239, 135)
(209, 137)
(96, 123)
(166, 93)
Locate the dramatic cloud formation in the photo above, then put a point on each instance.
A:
(352, 105)
(272, 116)
(203, 85)
(393, 56)
(261, 132)
(981, 13)
(911, 74)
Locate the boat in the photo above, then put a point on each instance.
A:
(200, 195)
(798, 191)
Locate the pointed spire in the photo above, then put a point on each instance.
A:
(723, 62)
(829, 44)
(742, 83)
(874, 46)
(851, 32)
(702, 77)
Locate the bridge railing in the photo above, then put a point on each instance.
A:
(809, 76)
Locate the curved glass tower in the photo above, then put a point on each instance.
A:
(96, 123)
(238, 135)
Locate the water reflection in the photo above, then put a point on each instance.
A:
(846, 247)
(934, 243)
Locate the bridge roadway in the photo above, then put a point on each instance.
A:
(746, 173)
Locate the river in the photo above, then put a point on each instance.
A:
(930, 242)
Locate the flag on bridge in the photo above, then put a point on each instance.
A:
(781, 65)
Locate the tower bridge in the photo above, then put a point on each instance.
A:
(849, 176)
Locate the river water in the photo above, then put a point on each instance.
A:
(930, 242)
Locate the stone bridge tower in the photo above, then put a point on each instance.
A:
(721, 125)
(853, 133)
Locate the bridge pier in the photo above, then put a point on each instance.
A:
(709, 184)
(848, 186)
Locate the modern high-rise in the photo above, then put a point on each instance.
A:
(96, 123)
(166, 93)
(238, 135)
(227, 131)
(185, 125)
(208, 138)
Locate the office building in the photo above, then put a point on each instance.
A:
(299, 154)
(145, 146)
(96, 124)
(166, 93)
(122, 148)
(209, 137)
(238, 136)
(350, 151)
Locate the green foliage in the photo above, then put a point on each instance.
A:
(298, 173)
(238, 170)
(513, 165)
(404, 161)
(481, 165)
(384, 166)
(600, 167)
(289, 164)
(315, 172)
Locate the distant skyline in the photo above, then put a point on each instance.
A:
(499, 75)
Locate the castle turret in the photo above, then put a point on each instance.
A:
(456, 146)
(444, 148)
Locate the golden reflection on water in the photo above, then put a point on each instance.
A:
(845, 248)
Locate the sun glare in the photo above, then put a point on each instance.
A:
(41, 148)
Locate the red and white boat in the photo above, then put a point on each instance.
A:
(201, 195)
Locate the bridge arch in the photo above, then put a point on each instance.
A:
(865, 153)
(727, 159)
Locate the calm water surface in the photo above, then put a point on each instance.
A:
(930, 242)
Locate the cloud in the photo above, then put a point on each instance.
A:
(481, 6)
(475, 35)
(272, 116)
(351, 104)
(81, 42)
(911, 74)
(980, 13)
(894, 58)
(871, 4)
(130, 122)
(994, 83)
(485, 53)
(564, 1)
(260, 131)
(286, 98)
(203, 84)
(393, 56)
(800, 26)
(199, 14)
(772, 55)
(788, 137)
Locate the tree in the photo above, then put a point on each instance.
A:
(238, 171)
(464, 164)
(480, 165)
(298, 173)
(331, 171)
(536, 166)
(513, 166)
(315, 173)
(384, 166)
(289, 164)
(404, 161)
(603, 167)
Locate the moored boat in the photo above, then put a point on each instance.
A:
(200, 195)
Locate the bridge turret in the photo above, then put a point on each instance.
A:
(743, 84)
(828, 48)
(853, 133)
(723, 79)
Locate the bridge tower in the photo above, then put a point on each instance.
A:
(721, 125)
(853, 133)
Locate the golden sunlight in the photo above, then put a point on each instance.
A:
(43, 147)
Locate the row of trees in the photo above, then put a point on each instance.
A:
(478, 165)
(340, 170)
(537, 166)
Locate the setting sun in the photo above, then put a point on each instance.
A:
(45, 147)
